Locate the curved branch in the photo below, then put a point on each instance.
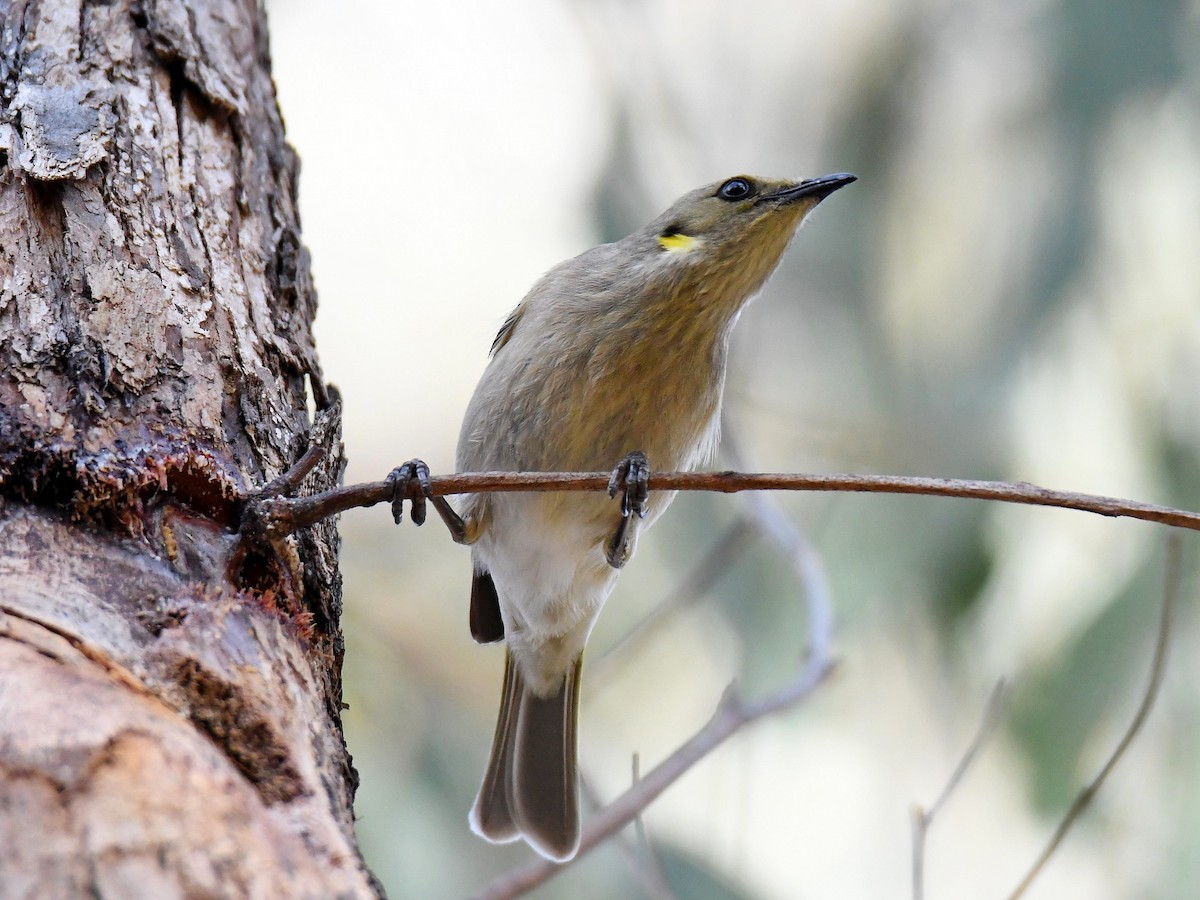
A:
(1158, 667)
(733, 713)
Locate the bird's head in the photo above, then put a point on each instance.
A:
(739, 214)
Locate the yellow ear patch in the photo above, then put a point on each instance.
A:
(678, 243)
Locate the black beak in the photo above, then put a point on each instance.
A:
(820, 188)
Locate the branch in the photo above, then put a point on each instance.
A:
(641, 858)
(712, 564)
(660, 887)
(795, 546)
(923, 818)
(732, 714)
(290, 514)
(1157, 666)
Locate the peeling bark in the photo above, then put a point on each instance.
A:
(170, 696)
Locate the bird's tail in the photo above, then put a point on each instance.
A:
(530, 789)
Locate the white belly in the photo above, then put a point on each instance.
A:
(545, 553)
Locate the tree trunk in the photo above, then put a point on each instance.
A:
(170, 696)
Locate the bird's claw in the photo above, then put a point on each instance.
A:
(402, 478)
(631, 478)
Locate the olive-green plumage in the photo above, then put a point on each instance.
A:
(620, 349)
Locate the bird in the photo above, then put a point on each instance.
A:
(617, 355)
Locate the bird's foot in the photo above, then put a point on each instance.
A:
(631, 478)
(402, 479)
(412, 480)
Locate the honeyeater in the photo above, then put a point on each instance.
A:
(615, 356)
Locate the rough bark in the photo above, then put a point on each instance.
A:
(169, 693)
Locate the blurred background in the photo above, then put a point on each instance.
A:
(1010, 291)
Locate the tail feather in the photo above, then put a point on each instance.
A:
(545, 783)
(530, 789)
(491, 817)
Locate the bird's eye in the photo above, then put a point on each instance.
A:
(736, 189)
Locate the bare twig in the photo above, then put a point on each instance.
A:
(641, 861)
(653, 861)
(795, 546)
(640, 857)
(1157, 667)
(711, 566)
(259, 514)
(804, 561)
(288, 515)
(923, 818)
(732, 714)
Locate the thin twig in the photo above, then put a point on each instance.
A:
(292, 478)
(712, 564)
(795, 546)
(1157, 667)
(732, 714)
(923, 818)
(653, 862)
(804, 561)
(288, 515)
(645, 867)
